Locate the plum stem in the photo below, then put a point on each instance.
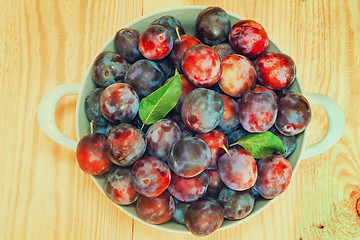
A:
(227, 152)
(92, 126)
(142, 126)
(232, 144)
(177, 32)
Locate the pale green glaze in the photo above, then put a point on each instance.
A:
(187, 16)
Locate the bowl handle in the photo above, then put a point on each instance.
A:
(336, 124)
(46, 114)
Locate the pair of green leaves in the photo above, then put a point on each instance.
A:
(159, 103)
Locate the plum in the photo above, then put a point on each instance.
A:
(156, 210)
(119, 103)
(201, 65)
(127, 44)
(108, 68)
(236, 204)
(202, 110)
(213, 26)
(238, 172)
(155, 42)
(238, 75)
(248, 38)
(257, 111)
(274, 175)
(294, 114)
(189, 157)
(145, 76)
(188, 189)
(161, 136)
(91, 154)
(275, 70)
(150, 176)
(118, 187)
(125, 144)
(204, 217)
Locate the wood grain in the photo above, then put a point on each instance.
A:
(43, 193)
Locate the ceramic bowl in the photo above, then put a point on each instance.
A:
(187, 16)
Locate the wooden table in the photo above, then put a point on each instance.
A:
(45, 43)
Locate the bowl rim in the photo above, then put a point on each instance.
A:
(81, 97)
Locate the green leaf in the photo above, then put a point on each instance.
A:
(159, 103)
(261, 144)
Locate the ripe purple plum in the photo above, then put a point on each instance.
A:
(257, 111)
(201, 65)
(274, 175)
(156, 210)
(238, 75)
(276, 71)
(161, 136)
(155, 42)
(238, 172)
(118, 187)
(204, 217)
(109, 68)
(216, 140)
(237, 204)
(294, 114)
(202, 110)
(188, 189)
(213, 26)
(189, 157)
(145, 76)
(248, 38)
(125, 144)
(119, 103)
(91, 154)
(150, 176)
(127, 44)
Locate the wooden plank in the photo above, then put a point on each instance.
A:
(43, 193)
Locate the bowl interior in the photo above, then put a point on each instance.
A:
(187, 16)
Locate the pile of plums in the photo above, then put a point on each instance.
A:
(177, 168)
